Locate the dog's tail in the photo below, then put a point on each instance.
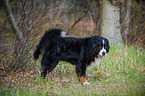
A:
(45, 41)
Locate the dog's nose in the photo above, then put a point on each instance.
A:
(103, 53)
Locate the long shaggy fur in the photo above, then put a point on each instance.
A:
(45, 41)
(80, 52)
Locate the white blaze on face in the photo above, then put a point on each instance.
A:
(63, 34)
(102, 50)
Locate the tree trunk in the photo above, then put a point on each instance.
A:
(12, 21)
(110, 22)
(127, 18)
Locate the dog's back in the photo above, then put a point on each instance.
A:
(46, 39)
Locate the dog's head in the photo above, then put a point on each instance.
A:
(101, 46)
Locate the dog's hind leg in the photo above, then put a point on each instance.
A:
(48, 63)
(44, 72)
(45, 65)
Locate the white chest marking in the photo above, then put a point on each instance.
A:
(96, 62)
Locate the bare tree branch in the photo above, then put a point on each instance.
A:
(79, 19)
(12, 21)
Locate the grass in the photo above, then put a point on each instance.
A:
(122, 72)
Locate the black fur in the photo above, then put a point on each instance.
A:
(78, 51)
(45, 41)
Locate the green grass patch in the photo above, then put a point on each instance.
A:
(122, 72)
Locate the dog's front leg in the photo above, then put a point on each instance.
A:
(83, 80)
(81, 72)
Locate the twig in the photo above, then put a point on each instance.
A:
(79, 19)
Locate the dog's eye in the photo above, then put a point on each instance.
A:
(105, 46)
(101, 46)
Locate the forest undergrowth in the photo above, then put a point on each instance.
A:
(122, 72)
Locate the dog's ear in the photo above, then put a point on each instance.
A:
(96, 42)
(96, 45)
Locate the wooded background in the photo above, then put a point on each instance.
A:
(23, 22)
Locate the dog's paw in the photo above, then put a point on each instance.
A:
(86, 83)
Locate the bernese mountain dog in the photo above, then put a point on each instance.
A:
(81, 52)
